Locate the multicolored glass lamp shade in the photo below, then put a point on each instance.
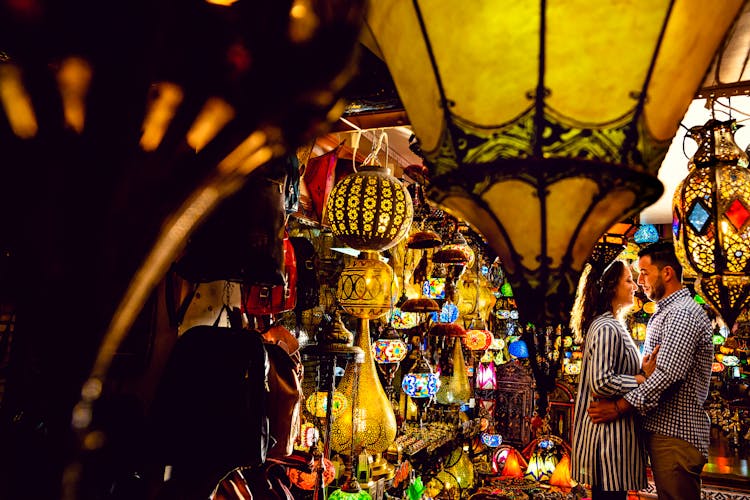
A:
(369, 209)
(519, 349)
(389, 347)
(645, 234)
(712, 220)
(478, 339)
(366, 287)
(421, 382)
(542, 124)
(317, 404)
(389, 350)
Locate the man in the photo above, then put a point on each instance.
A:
(676, 427)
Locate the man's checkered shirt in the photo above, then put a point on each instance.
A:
(672, 398)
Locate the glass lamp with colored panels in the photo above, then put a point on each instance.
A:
(711, 226)
(389, 350)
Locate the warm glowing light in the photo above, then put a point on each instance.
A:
(235, 160)
(16, 102)
(162, 108)
(73, 79)
(215, 114)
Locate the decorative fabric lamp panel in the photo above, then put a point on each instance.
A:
(543, 123)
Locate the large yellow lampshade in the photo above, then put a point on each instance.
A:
(543, 123)
(712, 220)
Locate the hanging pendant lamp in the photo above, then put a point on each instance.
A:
(544, 123)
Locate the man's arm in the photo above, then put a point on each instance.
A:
(675, 358)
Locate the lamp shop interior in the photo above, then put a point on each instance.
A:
(330, 249)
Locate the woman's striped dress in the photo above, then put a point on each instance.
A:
(610, 456)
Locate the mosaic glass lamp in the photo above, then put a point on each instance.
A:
(421, 383)
(389, 350)
(646, 233)
(712, 219)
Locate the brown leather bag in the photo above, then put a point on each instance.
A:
(285, 393)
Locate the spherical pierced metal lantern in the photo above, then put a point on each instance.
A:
(369, 209)
(712, 219)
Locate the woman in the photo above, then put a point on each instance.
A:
(608, 457)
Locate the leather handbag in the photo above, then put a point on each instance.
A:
(263, 300)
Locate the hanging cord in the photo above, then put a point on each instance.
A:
(377, 145)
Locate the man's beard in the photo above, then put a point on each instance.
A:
(657, 290)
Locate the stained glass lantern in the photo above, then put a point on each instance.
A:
(448, 313)
(366, 287)
(317, 404)
(478, 339)
(731, 361)
(369, 209)
(646, 233)
(712, 220)
(491, 440)
(421, 382)
(717, 367)
(561, 476)
(389, 347)
(402, 320)
(486, 378)
(434, 288)
(508, 462)
(518, 349)
(388, 351)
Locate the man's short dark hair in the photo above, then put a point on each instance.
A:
(662, 254)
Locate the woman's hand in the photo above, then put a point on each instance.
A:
(649, 362)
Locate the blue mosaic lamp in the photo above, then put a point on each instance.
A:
(646, 233)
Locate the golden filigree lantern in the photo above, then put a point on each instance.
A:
(367, 287)
(369, 209)
(711, 215)
(544, 123)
